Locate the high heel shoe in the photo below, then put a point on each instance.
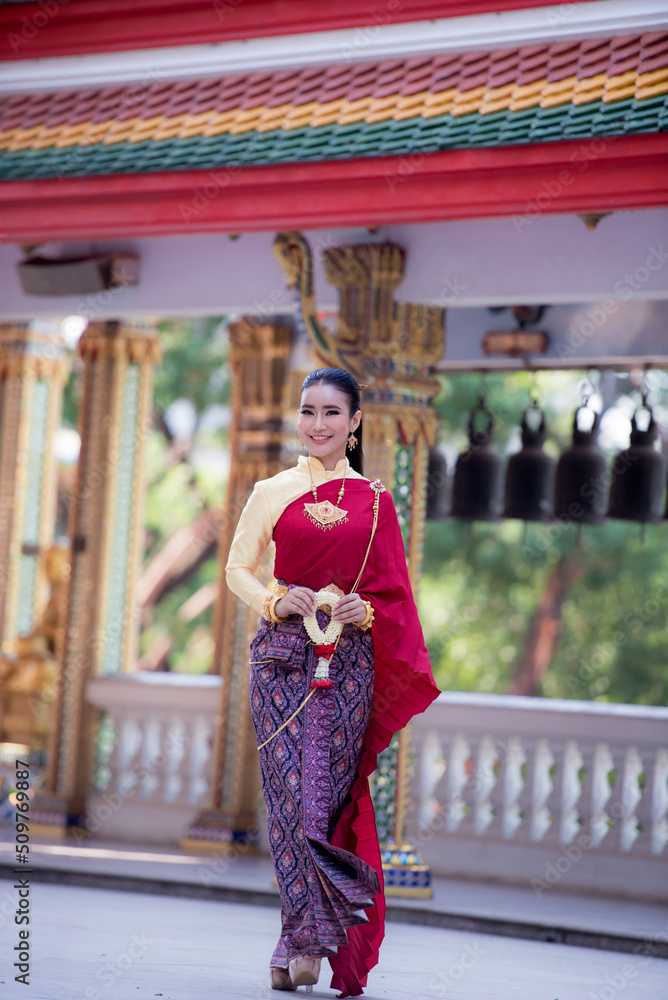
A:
(280, 979)
(304, 971)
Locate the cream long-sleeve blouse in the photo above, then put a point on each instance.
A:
(256, 525)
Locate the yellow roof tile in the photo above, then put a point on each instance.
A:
(656, 76)
(402, 114)
(21, 141)
(299, 117)
(439, 97)
(621, 79)
(7, 136)
(533, 90)
(145, 128)
(492, 106)
(457, 110)
(382, 115)
(591, 83)
(658, 88)
(434, 110)
(246, 121)
(221, 122)
(591, 89)
(192, 124)
(412, 100)
(567, 85)
(610, 96)
(381, 103)
(273, 118)
(470, 96)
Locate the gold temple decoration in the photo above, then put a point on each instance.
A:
(29, 674)
(101, 622)
(259, 353)
(33, 369)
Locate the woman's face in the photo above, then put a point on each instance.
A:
(324, 422)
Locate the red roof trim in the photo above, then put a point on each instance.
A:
(524, 182)
(72, 27)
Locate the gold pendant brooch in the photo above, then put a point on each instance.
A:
(325, 514)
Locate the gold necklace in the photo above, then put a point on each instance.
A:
(325, 514)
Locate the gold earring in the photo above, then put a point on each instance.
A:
(352, 441)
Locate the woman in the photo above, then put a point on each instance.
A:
(323, 710)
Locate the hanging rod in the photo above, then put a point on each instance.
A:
(622, 364)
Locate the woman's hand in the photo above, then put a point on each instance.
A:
(350, 609)
(298, 601)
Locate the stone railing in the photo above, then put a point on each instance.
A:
(543, 792)
(159, 730)
(526, 790)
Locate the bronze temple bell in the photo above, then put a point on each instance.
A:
(436, 486)
(476, 490)
(581, 487)
(638, 476)
(531, 472)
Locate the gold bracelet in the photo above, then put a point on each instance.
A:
(268, 608)
(368, 620)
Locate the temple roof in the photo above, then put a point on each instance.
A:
(527, 95)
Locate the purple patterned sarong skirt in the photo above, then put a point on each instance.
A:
(307, 772)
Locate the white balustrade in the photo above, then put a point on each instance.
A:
(160, 763)
(533, 790)
(548, 792)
